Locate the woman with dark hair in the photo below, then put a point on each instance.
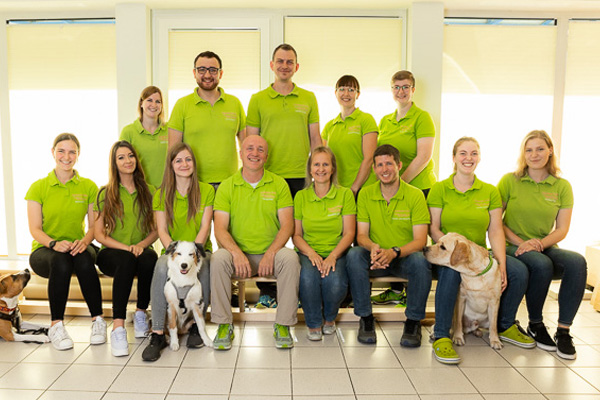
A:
(352, 136)
(537, 214)
(183, 207)
(57, 207)
(126, 229)
(325, 224)
(148, 134)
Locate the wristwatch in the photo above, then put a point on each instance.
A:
(52, 244)
(397, 250)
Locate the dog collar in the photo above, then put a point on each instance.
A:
(488, 267)
(7, 310)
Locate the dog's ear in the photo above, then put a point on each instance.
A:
(461, 254)
(171, 248)
(200, 250)
(2, 286)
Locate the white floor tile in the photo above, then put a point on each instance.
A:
(133, 396)
(381, 381)
(13, 394)
(200, 397)
(168, 358)
(588, 335)
(211, 358)
(144, 380)
(48, 354)
(421, 357)
(314, 357)
(535, 357)
(263, 358)
(487, 380)
(591, 375)
(101, 355)
(480, 356)
(246, 397)
(71, 395)
(573, 397)
(557, 381)
(31, 376)
(522, 396)
(302, 340)
(321, 382)
(5, 367)
(439, 381)
(258, 337)
(349, 397)
(371, 357)
(348, 332)
(87, 377)
(454, 397)
(386, 397)
(202, 381)
(16, 351)
(252, 382)
(587, 356)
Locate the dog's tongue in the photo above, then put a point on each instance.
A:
(184, 271)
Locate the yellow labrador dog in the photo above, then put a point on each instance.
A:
(480, 289)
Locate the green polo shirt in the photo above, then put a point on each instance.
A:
(128, 229)
(283, 121)
(253, 220)
(211, 132)
(403, 135)
(322, 219)
(466, 213)
(344, 137)
(531, 207)
(392, 224)
(64, 206)
(181, 228)
(150, 147)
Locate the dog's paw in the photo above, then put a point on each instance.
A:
(174, 345)
(459, 340)
(477, 332)
(496, 344)
(44, 339)
(208, 342)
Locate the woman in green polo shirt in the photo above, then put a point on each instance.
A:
(538, 206)
(148, 134)
(183, 208)
(57, 207)
(325, 224)
(126, 229)
(464, 204)
(352, 136)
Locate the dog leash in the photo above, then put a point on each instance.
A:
(488, 267)
(14, 317)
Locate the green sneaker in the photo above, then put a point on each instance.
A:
(517, 336)
(444, 352)
(224, 337)
(389, 297)
(283, 339)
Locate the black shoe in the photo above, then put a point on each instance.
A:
(411, 337)
(540, 334)
(366, 330)
(564, 344)
(152, 351)
(194, 341)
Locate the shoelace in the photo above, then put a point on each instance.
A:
(121, 334)
(97, 327)
(223, 331)
(140, 319)
(154, 339)
(61, 333)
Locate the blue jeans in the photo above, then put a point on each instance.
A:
(554, 263)
(414, 267)
(321, 297)
(447, 291)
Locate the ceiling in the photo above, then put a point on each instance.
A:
(575, 6)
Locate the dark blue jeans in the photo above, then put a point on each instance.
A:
(447, 291)
(414, 267)
(554, 263)
(321, 297)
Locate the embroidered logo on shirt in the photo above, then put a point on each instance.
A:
(334, 211)
(163, 139)
(354, 130)
(550, 196)
(229, 116)
(401, 215)
(481, 203)
(270, 196)
(301, 108)
(80, 197)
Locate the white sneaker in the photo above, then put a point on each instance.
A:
(118, 342)
(59, 337)
(98, 335)
(140, 324)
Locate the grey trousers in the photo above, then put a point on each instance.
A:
(286, 270)
(159, 279)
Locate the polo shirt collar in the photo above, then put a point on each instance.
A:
(238, 179)
(139, 128)
(198, 99)
(550, 179)
(353, 116)
(410, 114)
(54, 180)
(377, 195)
(121, 187)
(274, 93)
(449, 183)
(330, 195)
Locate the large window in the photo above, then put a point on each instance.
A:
(369, 48)
(581, 131)
(62, 79)
(498, 85)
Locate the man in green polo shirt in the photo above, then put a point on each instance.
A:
(253, 220)
(209, 120)
(391, 231)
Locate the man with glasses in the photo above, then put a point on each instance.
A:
(209, 120)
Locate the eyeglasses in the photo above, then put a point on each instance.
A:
(346, 89)
(211, 70)
(404, 88)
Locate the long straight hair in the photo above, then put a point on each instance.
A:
(112, 207)
(551, 165)
(169, 185)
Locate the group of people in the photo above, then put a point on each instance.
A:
(354, 183)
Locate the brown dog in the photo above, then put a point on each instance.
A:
(480, 289)
(11, 287)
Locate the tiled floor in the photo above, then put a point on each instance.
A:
(338, 368)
